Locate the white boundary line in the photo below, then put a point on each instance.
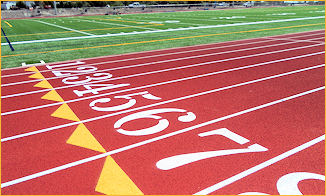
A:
(259, 166)
(176, 48)
(158, 84)
(166, 54)
(159, 103)
(82, 161)
(164, 70)
(165, 30)
(66, 28)
(89, 20)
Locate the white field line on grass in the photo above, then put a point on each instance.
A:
(107, 23)
(165, 30)
(160, 103)
(162, 21)
(209, 47)
(164, 70)
(66, 28)
(167, 49)
(183, 18)
(259, 166)
(158, 84)
(135, 145)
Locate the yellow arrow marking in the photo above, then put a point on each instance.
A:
(43, 84)
(37, 75)
(82, 137)
(53, 96)
(32, 69)
(114, 181)
(65, 112)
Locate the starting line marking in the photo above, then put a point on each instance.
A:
(72, 164)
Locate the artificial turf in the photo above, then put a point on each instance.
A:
(32, 29)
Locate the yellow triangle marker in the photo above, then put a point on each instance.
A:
(65, 112)
(37, 75)
(114, 181)
(43, 84)
(53, 96)
(32, 69)
(82, 137)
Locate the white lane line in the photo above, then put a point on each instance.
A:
(164, 70)
(135, 58)
(182, 47)
(82, 161)
(259, 166)
(66, 28)
(164, 30)
(159, 103)
(116, 24)
(153, 62)
(298, 41)
(209, 47)
(158, 84)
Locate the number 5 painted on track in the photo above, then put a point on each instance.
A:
(162, 123)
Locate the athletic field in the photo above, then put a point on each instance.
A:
(200, 105)
(63, 38)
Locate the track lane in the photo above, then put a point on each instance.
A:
(220, 104)
(153, 60)
(216, 104)
(183, 69)
(303, 101)
(85, 112)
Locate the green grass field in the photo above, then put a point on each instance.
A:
(142, 32)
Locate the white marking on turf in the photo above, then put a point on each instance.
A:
(66, 28)
(165, 30)
(117, 24)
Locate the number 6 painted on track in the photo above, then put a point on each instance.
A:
(162, 123)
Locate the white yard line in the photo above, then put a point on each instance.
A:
(66, 28)
(259, 166)
(159, 103)
(108, 23)
(125, 148)
(165, 30)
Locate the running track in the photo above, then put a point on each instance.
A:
(239, 117)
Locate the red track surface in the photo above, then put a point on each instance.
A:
(268, 91)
